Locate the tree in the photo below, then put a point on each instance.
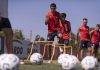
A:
(18, 35)
(2, 34)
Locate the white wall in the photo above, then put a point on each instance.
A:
(4, 8)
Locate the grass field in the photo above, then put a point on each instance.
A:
(47, 67)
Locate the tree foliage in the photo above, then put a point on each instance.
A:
(18, 34)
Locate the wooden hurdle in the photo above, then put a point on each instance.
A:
(59, 46)
(71, 49)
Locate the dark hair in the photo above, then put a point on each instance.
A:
(98, 25)
(63, 15)
(52, 5)
(85, 19)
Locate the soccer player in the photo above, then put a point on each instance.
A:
(95, 39)
(5, 26)
(83, 33)
(66, 30)
(53, 21)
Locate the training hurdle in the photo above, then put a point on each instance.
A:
(49, 44)
(56, 45)
(39, 42)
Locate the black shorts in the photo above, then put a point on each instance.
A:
(52, 35)
(66, 42)
(4, 23)
(85, 44)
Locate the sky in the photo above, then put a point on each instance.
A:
(27, 15)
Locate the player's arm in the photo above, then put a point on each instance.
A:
(69, 26)
(47, 19)
(91, 33)
(99, 34)
(70, 36)
(70, 30)
(99, 38)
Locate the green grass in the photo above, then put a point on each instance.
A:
(46, 67)
(41, 67)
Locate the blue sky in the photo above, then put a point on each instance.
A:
(30, 14)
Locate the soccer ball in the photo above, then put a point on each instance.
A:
(9, 62)
(75, 61)
(67, 63)
(2, 57)
(88, 63)
(96, 61)
(36, 58)
(14, 60)
(61, 58)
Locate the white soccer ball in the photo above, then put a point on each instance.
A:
(61, 58)
(36, 58)
(96, 61)
(9, 62)
(67, 63)
(75, 61)
(88, 63)
(2, 57)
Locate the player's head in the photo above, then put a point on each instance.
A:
(85, 21)
(37, 37)
(97, 26)
(53, 7)
(63, 15)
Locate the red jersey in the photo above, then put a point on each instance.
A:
(95, 36)
(53, 24)
(66, 34)
(84, 33)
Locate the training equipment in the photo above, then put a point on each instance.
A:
(88, 63)
(49, 44)
(67, 63)
(61, 58)
(96, 61)
(75, 61)
(36, 58)
(9, 62)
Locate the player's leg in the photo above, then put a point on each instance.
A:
(80, 54)
(60, 37)
(66, 42)
(9, 39)
(50, 37)
(80, 51)
(60, 41)
(7, 29)
(93, 49)
(89, 51)
(88, 44)
(96, 51)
